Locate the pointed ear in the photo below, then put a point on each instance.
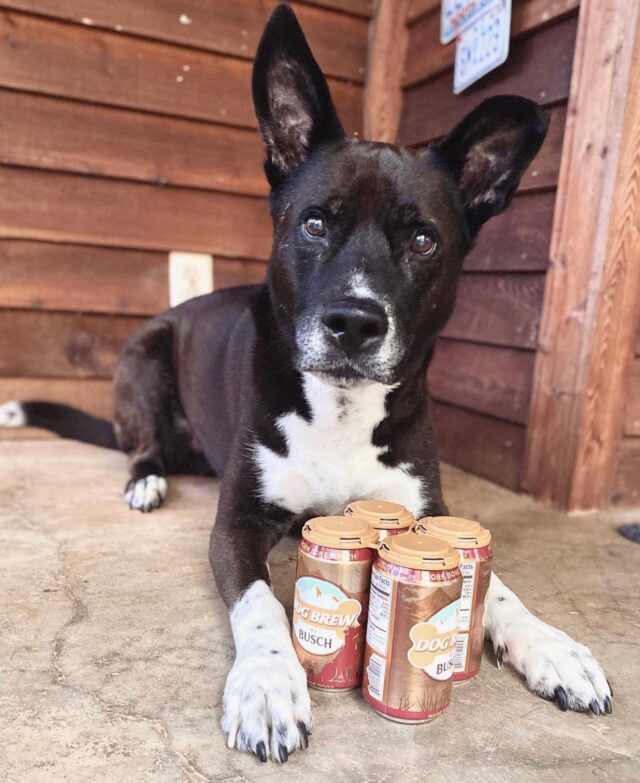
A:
(489, 151)
(291, 97)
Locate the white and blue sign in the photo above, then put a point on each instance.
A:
(457, 15)
(483, 46)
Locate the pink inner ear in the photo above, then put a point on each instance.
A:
(288, 131)
(488, 164)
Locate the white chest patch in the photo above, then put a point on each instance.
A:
(331, 460)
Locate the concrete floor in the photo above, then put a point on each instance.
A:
(114, 646)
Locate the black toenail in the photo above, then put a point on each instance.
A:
(304, 734)
(283, 753)
(261, 751)
(610, 688)
(607, 706)
(594, 707)
(561, 698)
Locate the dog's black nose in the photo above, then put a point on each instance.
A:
(356, 325)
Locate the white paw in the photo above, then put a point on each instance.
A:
(554, 665)
(266, 705)
(146, 494)
(12, 415)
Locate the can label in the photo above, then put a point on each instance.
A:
(322, 615)
(475, 567)
(411, 633)
(329, 614)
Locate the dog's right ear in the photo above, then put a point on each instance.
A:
(291, 97)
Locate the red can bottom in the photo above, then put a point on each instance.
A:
(462, 677)
(401, 716)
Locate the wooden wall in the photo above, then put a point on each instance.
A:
(627, 475)
(127, 131)
(481, 377)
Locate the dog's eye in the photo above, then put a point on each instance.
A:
(423, 243)
(314, 226)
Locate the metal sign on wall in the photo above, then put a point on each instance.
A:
(481, 29)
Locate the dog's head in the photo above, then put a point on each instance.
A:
(369, 238)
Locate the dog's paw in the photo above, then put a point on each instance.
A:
(267, 710)
(553, 664)
(146, 493)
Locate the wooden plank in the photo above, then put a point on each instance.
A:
(82, 278)
(483, 378)
(539, 67)
(418, 8)
(388, 42)
(47, 276)
(71, 208)
(45, 56)
(518, 239)
(480, 444)
(427, 56)
(362, 8)
(497, 308)
(63, 135)
(228, 272)
(626, 483)
(93, 395)
(231, 27)
(591, 300)
(61, 345)
(632, 415)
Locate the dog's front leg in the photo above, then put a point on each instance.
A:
(266, 705)
(553, 664)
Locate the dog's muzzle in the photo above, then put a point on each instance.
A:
(349, 338)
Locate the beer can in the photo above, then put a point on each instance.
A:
(331, 600)
(385, 517)
(413, 618)
(473, 542)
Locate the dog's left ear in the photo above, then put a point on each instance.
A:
(489, 151)
(291, 97)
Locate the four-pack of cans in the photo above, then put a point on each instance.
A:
(392, 605)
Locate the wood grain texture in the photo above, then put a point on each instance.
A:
(50, 57)
(419, 7)
(231, 27)
(388, 41)
(71, 208)
(229, 272)
(82, 278)
(61, 345)
(64, 135)
(362, 8)
(539, 67)
(518, 240)
(483, 378)
(591, 300)
(499, 309)
(480, 444)
(51, 276)
(427, 57)
(626, 482)
(632, 413)
(93, 395)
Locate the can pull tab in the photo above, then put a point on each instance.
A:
(440, 560)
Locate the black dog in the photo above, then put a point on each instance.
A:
(310, 391)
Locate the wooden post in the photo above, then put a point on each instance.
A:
(593, 285)
(388, 43)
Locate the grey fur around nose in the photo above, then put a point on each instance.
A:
(356, 324)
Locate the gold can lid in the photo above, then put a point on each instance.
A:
(459, 533)
(381, 514)
(339, 532)
(426, 553)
